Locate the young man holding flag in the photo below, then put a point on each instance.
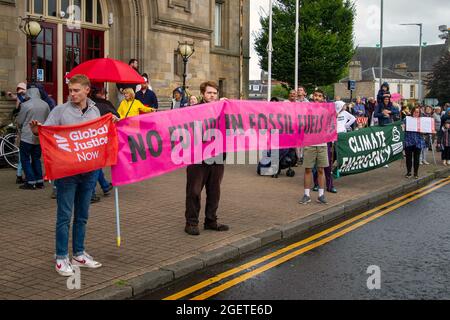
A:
(73, 192)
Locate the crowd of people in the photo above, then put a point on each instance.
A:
(89, 101)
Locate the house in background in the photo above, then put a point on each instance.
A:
(400, 70)
(368, 82)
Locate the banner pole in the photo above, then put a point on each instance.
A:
(432, 149)
(116, 196)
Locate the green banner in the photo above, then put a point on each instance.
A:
(367, 149)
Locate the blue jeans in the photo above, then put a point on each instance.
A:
(73, 194)
(30, 156)
(104, 184)
(102, 181)
(19, 167)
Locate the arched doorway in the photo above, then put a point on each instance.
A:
(73, 32)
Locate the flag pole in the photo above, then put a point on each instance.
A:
(116, 196)
(296, 42)
(270, 49)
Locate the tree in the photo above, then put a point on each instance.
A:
(280, 91)
(438, 82)
(326, 41)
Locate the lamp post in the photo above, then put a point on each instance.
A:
(381, 42)
(31, 27)
(420, 56)
(185, 50)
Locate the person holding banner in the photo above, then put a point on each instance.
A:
(317, 156)
(209, 175)
(385, 111)
(414, 143)
(73, 192)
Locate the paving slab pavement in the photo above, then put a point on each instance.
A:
(155, 249)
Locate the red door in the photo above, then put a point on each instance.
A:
(46, 66)
(81, 45)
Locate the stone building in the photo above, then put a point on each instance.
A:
(148, 30)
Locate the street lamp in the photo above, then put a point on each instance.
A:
(31, 27)
(420, 55)
(185, 50)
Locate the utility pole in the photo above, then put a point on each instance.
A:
(270, 49)
(296, 42)
(419, 93)
(381, 44)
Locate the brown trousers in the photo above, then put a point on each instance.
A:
(199, 176)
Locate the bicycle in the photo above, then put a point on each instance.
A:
(9, 150)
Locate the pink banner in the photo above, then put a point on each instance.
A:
(157, 143)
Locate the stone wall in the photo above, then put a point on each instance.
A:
(13, 45)
(363, 89)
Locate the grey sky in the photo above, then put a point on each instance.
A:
(431, 13)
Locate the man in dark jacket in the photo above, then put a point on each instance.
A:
(208, 174)
(385, 111)
(147, 96)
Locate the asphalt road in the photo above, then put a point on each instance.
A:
(410, 246)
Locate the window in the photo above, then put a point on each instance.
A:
(39, 6)
(218, 23)
(400, 89)
(413, 92)
(51, 8)
(256, 87)
(87, 11)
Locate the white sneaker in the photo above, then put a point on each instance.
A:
(421, 163)
(444, 163)
(386, 166)
(85, 261)
(426, 162)
(64, 268)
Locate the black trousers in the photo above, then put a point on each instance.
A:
(198, 177)
(412, 153)
(446, 153)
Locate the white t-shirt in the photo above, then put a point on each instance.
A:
(344, 121)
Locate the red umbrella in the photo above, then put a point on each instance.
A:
(107, 70)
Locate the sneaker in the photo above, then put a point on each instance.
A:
(27, 186)
(107, 191)
(322, 200)
(64, 267)
(19, 180)
(316, 188)
(444, 163)
(192, 230)
(421, 163)
(332, 190)
(216, 227)
(85, 261)
(386, 166)
(426, 162)
(305, 200)
(416, 177)
(40, 185)
(408, 175)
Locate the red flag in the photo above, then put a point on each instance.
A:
(74, 149)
